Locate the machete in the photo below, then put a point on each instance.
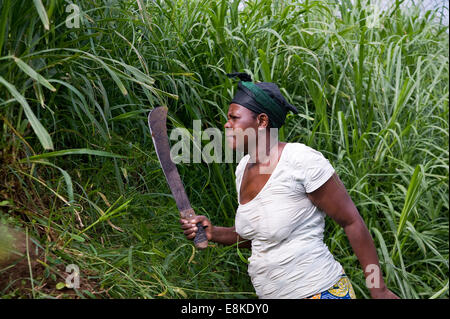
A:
(158, 129)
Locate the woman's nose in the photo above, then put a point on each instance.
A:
(227, 125)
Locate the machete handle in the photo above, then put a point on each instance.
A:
(200, 240)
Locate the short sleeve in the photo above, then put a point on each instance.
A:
(313, 169)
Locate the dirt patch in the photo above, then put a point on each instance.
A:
(27, 272)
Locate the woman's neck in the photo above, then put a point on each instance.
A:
(265, 149)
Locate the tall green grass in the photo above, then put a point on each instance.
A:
(79, 169)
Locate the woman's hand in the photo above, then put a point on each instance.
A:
(383, 293)
(218, 234)
(190, 227)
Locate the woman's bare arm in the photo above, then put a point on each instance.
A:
(333, 199)
(218, 234)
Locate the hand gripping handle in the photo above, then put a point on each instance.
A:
(200, 240)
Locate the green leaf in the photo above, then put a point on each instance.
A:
(72, 152)
(77, 238)
(40, 131)
(33, 74)
(113, 75)
(66, 176)
(42, 13)
(131, 114)
(3, 22)
(60, 285)
(241, 256)
(264, 66)
(5, 203)
(411, 197)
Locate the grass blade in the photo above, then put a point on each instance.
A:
(76, 151)
(33, 74)
(411, 198)
(3, 20)
(42, 13)
(40, 131)
(66, 176)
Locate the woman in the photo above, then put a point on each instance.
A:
(284, 191)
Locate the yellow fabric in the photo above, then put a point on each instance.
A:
(343, 289)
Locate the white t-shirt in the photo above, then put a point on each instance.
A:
(289, 258)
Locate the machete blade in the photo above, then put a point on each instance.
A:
(157, 123)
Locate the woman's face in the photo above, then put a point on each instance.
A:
(241, 127)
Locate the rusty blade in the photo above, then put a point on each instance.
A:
(158, 128)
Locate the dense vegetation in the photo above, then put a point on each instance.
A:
(78, 172)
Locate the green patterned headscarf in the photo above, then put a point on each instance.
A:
(263, 97)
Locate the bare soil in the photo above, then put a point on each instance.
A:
(21, 261)
(26, 269)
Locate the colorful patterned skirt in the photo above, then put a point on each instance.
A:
(342, 289)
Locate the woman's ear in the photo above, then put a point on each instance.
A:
(263, 120)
